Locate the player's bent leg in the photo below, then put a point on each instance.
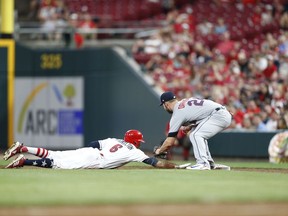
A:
(21, 161)
(40, 152)
(210, 159)
(43, 162)
(199, 149)
(83, 158)
(18, 147)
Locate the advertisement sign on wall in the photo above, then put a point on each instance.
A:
(49, 112)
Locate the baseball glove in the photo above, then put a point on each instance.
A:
(162, 155)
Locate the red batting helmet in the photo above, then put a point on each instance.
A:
(134, 137)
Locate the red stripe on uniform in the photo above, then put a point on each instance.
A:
(42, 152)
(46, 153)
(38, 151)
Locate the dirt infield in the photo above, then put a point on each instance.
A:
(262, 170)
(148, 167)
(261, 209)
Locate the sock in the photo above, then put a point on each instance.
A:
(40, 152)
(44, 162)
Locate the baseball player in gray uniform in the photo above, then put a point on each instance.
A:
(103, 154)
(201, 119)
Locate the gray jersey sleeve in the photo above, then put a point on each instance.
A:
(175, 123)
(190, 110)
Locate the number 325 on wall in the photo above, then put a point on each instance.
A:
(51, 61)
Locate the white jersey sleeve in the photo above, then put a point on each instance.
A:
(117, 152)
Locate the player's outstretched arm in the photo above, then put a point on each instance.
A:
(168, 165)
(159, 164)
(168, 143)
(164, 164)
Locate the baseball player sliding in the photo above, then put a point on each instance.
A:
(201, 119)
(103, 154)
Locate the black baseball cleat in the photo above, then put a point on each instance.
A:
(214, 166)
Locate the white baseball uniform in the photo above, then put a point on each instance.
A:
(210, 117)
(112, 153)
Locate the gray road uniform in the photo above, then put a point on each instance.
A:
(210, 117)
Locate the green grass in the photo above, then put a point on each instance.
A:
(27, 186)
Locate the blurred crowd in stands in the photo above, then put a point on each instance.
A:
(236, 53)
(58, 22)
(81, 19)
(232, 51)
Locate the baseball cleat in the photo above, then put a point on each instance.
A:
(198, 167)
(212, 164)
(221, 167)
(18, 162)
(13, 150)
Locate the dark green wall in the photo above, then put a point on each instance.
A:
(3, 96)
(240, 144)
(116, 98)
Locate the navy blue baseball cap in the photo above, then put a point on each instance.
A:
(166, 96)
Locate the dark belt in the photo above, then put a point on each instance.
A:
(218, 108)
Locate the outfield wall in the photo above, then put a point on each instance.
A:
(3, 97)
(241, 144)
(113, 98)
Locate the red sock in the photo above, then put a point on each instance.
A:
(24, 149)
(40, 152)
